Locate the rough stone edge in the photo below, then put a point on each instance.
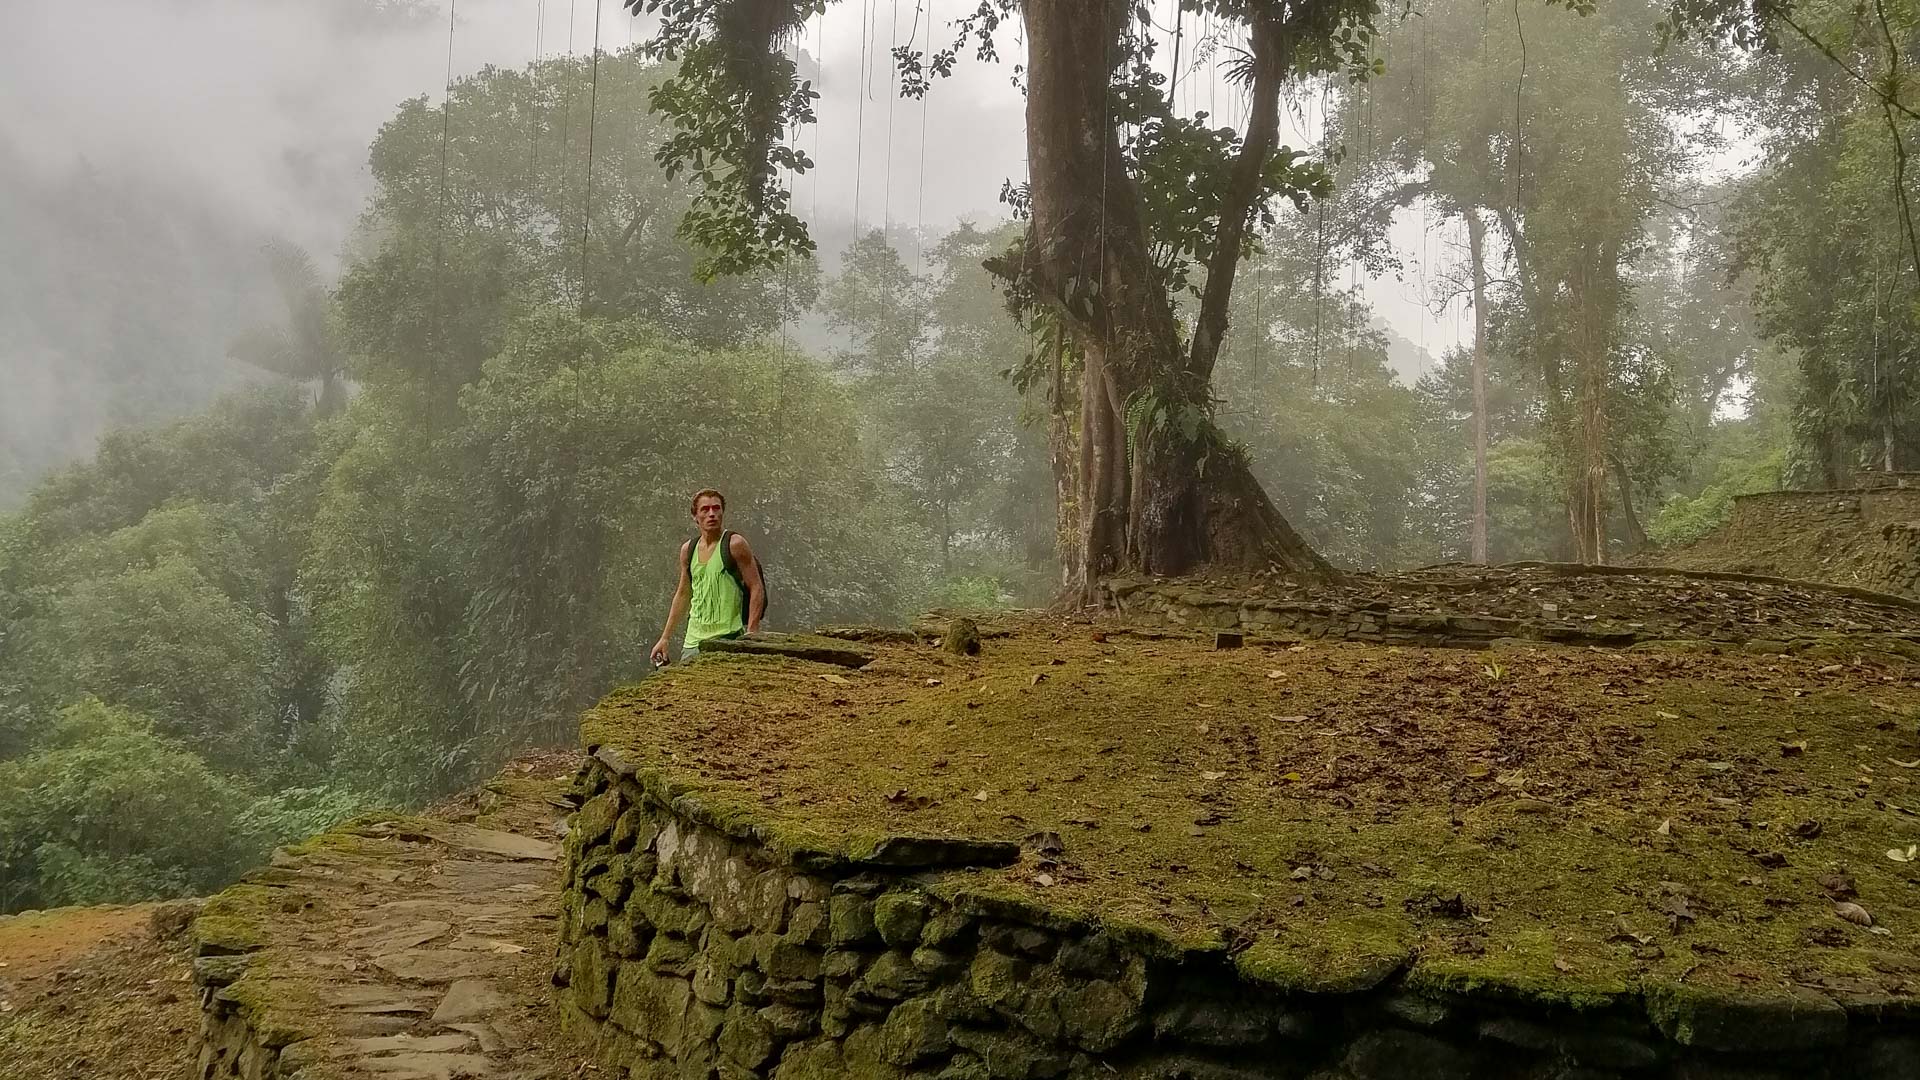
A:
(1576, 569)
(892, 851)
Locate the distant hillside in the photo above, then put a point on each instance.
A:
(1408, 360)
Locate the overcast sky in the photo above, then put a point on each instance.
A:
(270, 105)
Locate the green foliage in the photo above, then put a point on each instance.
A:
(500, 572)
(305, 346)
(168, 643)
(924, 353)
(1684, 519)
(1824, 231)
(107, 810)
(446, 271)
(295, 814)
(971, 593)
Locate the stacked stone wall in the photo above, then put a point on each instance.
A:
(1868, 536)
(690, 949)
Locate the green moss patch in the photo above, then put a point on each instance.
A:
(1548, 822)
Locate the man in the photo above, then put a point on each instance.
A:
(721, 585)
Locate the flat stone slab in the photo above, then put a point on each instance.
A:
(814, 647)
(432, 965)
(377, 998)
(497, 842)
(428, 976)
(392, 937)
(414, 1044)
(468, 999)
(418, 1066)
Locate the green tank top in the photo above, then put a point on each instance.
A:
(717, 605)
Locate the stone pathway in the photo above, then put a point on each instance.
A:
(404, 948)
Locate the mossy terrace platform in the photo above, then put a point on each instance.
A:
(1147, 855)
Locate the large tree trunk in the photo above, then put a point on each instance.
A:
(1477, 248)
(1065, 444)
(1152, 499)
(1636, 532)
(1595, 284)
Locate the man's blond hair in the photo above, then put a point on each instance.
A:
(704, 493)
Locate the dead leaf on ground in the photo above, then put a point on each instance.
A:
(1911, 853)
(1853, 913)
(841, 679)
(1046, 843)
(1211, 775)
(1676, 910)
(981, 795)
(1666, 828)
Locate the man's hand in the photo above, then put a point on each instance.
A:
(659, 652)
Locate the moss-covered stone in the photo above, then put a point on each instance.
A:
(746, 1039)
(816, 1059)
(1010, 1055)
(784, 961)
(1358, 952)
(591, 979)
(914, 1031)
(892, 977)
(671, 956)
(864, 1054)
(899, 916)
(649, 1005)
(1741, 1019)
(592, 824)
(850, 921)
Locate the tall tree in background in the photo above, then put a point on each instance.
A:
(1560, 131)
(1119, 227)
(1825, 233)
(304, 347)
(461, 239)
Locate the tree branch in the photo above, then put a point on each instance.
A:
(1271, 59)
(1826, 51)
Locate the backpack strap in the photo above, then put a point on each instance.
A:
(732, 568)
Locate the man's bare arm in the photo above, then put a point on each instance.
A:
(756, 586)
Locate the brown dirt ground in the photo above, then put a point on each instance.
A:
(90, 994)
(1572, 821)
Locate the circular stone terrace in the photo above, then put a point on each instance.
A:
(1723, 808)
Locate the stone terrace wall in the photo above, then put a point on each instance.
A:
(690, 950)
(1868, 536)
